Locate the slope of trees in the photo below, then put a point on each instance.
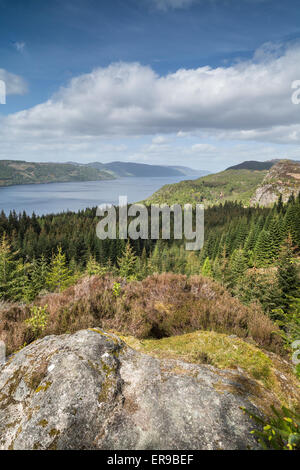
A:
(243, 249)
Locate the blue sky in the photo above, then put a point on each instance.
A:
(45, 45)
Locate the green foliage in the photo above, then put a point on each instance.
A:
(13, 273)
(230, 185)
(281, 431)
(231, 244)
(127, 263)
(116, 289)
(59, 276)
(238, 265)
(39, 271)
(94, 268)
(297, 371)
(206, 268)
(289, 321)
(38, 320)
(258, 287)
(263, 249)
(287, 274)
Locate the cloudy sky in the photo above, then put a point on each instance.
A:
(201, 83)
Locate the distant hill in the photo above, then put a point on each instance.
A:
(243, 185)
(20, 172)
(228, 185)
(125, 169)
(253, 165)
(190, 171)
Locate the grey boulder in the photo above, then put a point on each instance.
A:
(91, 391)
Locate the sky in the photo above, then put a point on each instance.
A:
(201, 83)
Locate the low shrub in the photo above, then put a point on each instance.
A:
(38, 320)
(159, 306)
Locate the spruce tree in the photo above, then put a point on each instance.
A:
(6, 267)
(275, 238)
(38, 273)
(12, 275)
(292, 222)
(206, 268)
(287, 275)
(21, 289)
(238, 266)
(156, 257)
(59, 276)
(263, 249)
(127, 263)
(93, 268)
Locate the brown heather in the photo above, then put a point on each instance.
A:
(159, 306)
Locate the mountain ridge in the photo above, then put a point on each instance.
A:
(235, 184)
(127, 169)
(18, 172)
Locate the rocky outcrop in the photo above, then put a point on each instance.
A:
(91, 391)
(282, 179)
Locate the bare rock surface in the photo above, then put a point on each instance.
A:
(282, 179)
(89, 390)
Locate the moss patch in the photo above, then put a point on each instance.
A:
(208, 347)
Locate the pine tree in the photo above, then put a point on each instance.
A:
(59, 276)
(39, 274)
(279, 205)
(238, 266)
(127, 263)
(250, 241)
(292, 222)
(21, 289)
(275, 238)
(12, 272)
(257, 287)
(206, 268)
(142, 265)
(94, 268)
(263, 249)
(156, 258)
(287, 274)
(6, 267)
(221, 268)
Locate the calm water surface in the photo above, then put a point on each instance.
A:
(58, 197)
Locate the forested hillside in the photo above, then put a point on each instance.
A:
(249, 183)
(241, 250)
(228, 185)
(21, 172)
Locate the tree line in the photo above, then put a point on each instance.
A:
(251, 251)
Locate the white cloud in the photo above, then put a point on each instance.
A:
(160, 140)
(203, 148)
(248, 101)
(15, 85)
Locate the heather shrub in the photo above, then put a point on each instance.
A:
(159, 306)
